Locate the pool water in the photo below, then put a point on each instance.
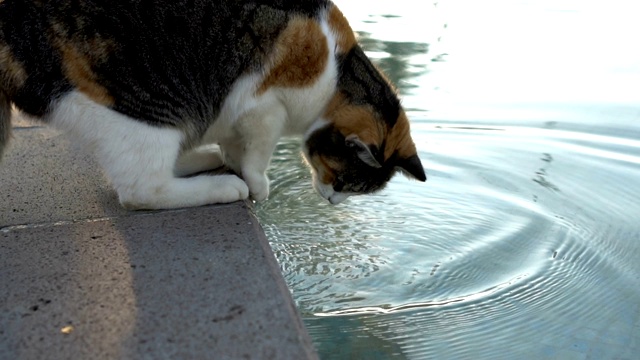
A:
(525, 240)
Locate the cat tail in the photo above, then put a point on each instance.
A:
(5, 121)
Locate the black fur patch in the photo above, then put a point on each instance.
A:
(362, 83)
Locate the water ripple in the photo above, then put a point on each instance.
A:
(497, 245)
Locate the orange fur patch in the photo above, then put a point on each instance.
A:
(399, 139)
(301, 55)
(77, 68)
(340, 26)
(352, 119)
(362, 121)
(12, 72)
(327, 174)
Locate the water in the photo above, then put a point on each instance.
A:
(524, 242)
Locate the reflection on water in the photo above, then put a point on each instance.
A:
(396, 59)
(523, 243)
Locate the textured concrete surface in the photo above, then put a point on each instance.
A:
(82, 278)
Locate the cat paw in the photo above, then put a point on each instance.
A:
(234, 188)
(258, 186)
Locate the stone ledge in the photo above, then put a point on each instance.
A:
(83, 278)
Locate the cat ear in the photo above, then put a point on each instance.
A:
(362, 150)
(412, 167)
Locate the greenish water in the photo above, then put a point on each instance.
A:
(524, 242)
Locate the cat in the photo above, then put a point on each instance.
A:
(145, 84)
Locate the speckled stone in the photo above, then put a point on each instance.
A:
(44, 178)
(81, 278)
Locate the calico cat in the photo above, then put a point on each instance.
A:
(146, 83)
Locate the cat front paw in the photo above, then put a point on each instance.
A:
(239, 187)
(258, 186)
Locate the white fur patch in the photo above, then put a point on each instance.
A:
(327, 192)
(139, 159)
(303, 106)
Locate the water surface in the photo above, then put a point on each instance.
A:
(523, 243)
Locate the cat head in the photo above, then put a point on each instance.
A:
(344, 165)
(363, 137)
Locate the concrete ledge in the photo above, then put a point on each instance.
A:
(83, 278)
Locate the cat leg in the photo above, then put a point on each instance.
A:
(202, 158)
(139, 159)
(260, 131)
